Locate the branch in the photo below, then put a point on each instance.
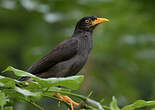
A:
(94, 103)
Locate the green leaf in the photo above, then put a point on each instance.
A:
(28, 94)
(113, 104)
(12, 94)
(22, 94)
(32, 86)
(139, 104)
(72, 82)
(6, 82)
(18, 72)
(2, 99)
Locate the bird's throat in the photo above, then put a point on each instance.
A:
(86, 42)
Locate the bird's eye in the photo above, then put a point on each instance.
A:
(86, 21)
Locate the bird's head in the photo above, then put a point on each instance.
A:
(89, 23)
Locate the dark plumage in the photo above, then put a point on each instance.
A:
(68, 57)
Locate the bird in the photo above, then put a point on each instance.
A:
(68, 57)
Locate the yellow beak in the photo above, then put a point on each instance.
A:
(99, 20)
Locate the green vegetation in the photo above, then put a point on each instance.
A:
(12, 90)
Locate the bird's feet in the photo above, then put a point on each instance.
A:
(67, 99)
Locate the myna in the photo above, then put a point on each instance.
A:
(69, 57)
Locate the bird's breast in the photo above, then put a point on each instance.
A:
(77, 63)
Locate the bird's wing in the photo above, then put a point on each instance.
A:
(62, 52)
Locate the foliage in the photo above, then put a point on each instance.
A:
(13, 90)
(31, 91)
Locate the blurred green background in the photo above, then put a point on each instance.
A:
(122, 62)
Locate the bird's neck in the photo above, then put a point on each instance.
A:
(80, 31)
(85, 41)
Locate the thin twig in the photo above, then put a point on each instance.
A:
(94, 103)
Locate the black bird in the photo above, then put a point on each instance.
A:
(68, 57)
